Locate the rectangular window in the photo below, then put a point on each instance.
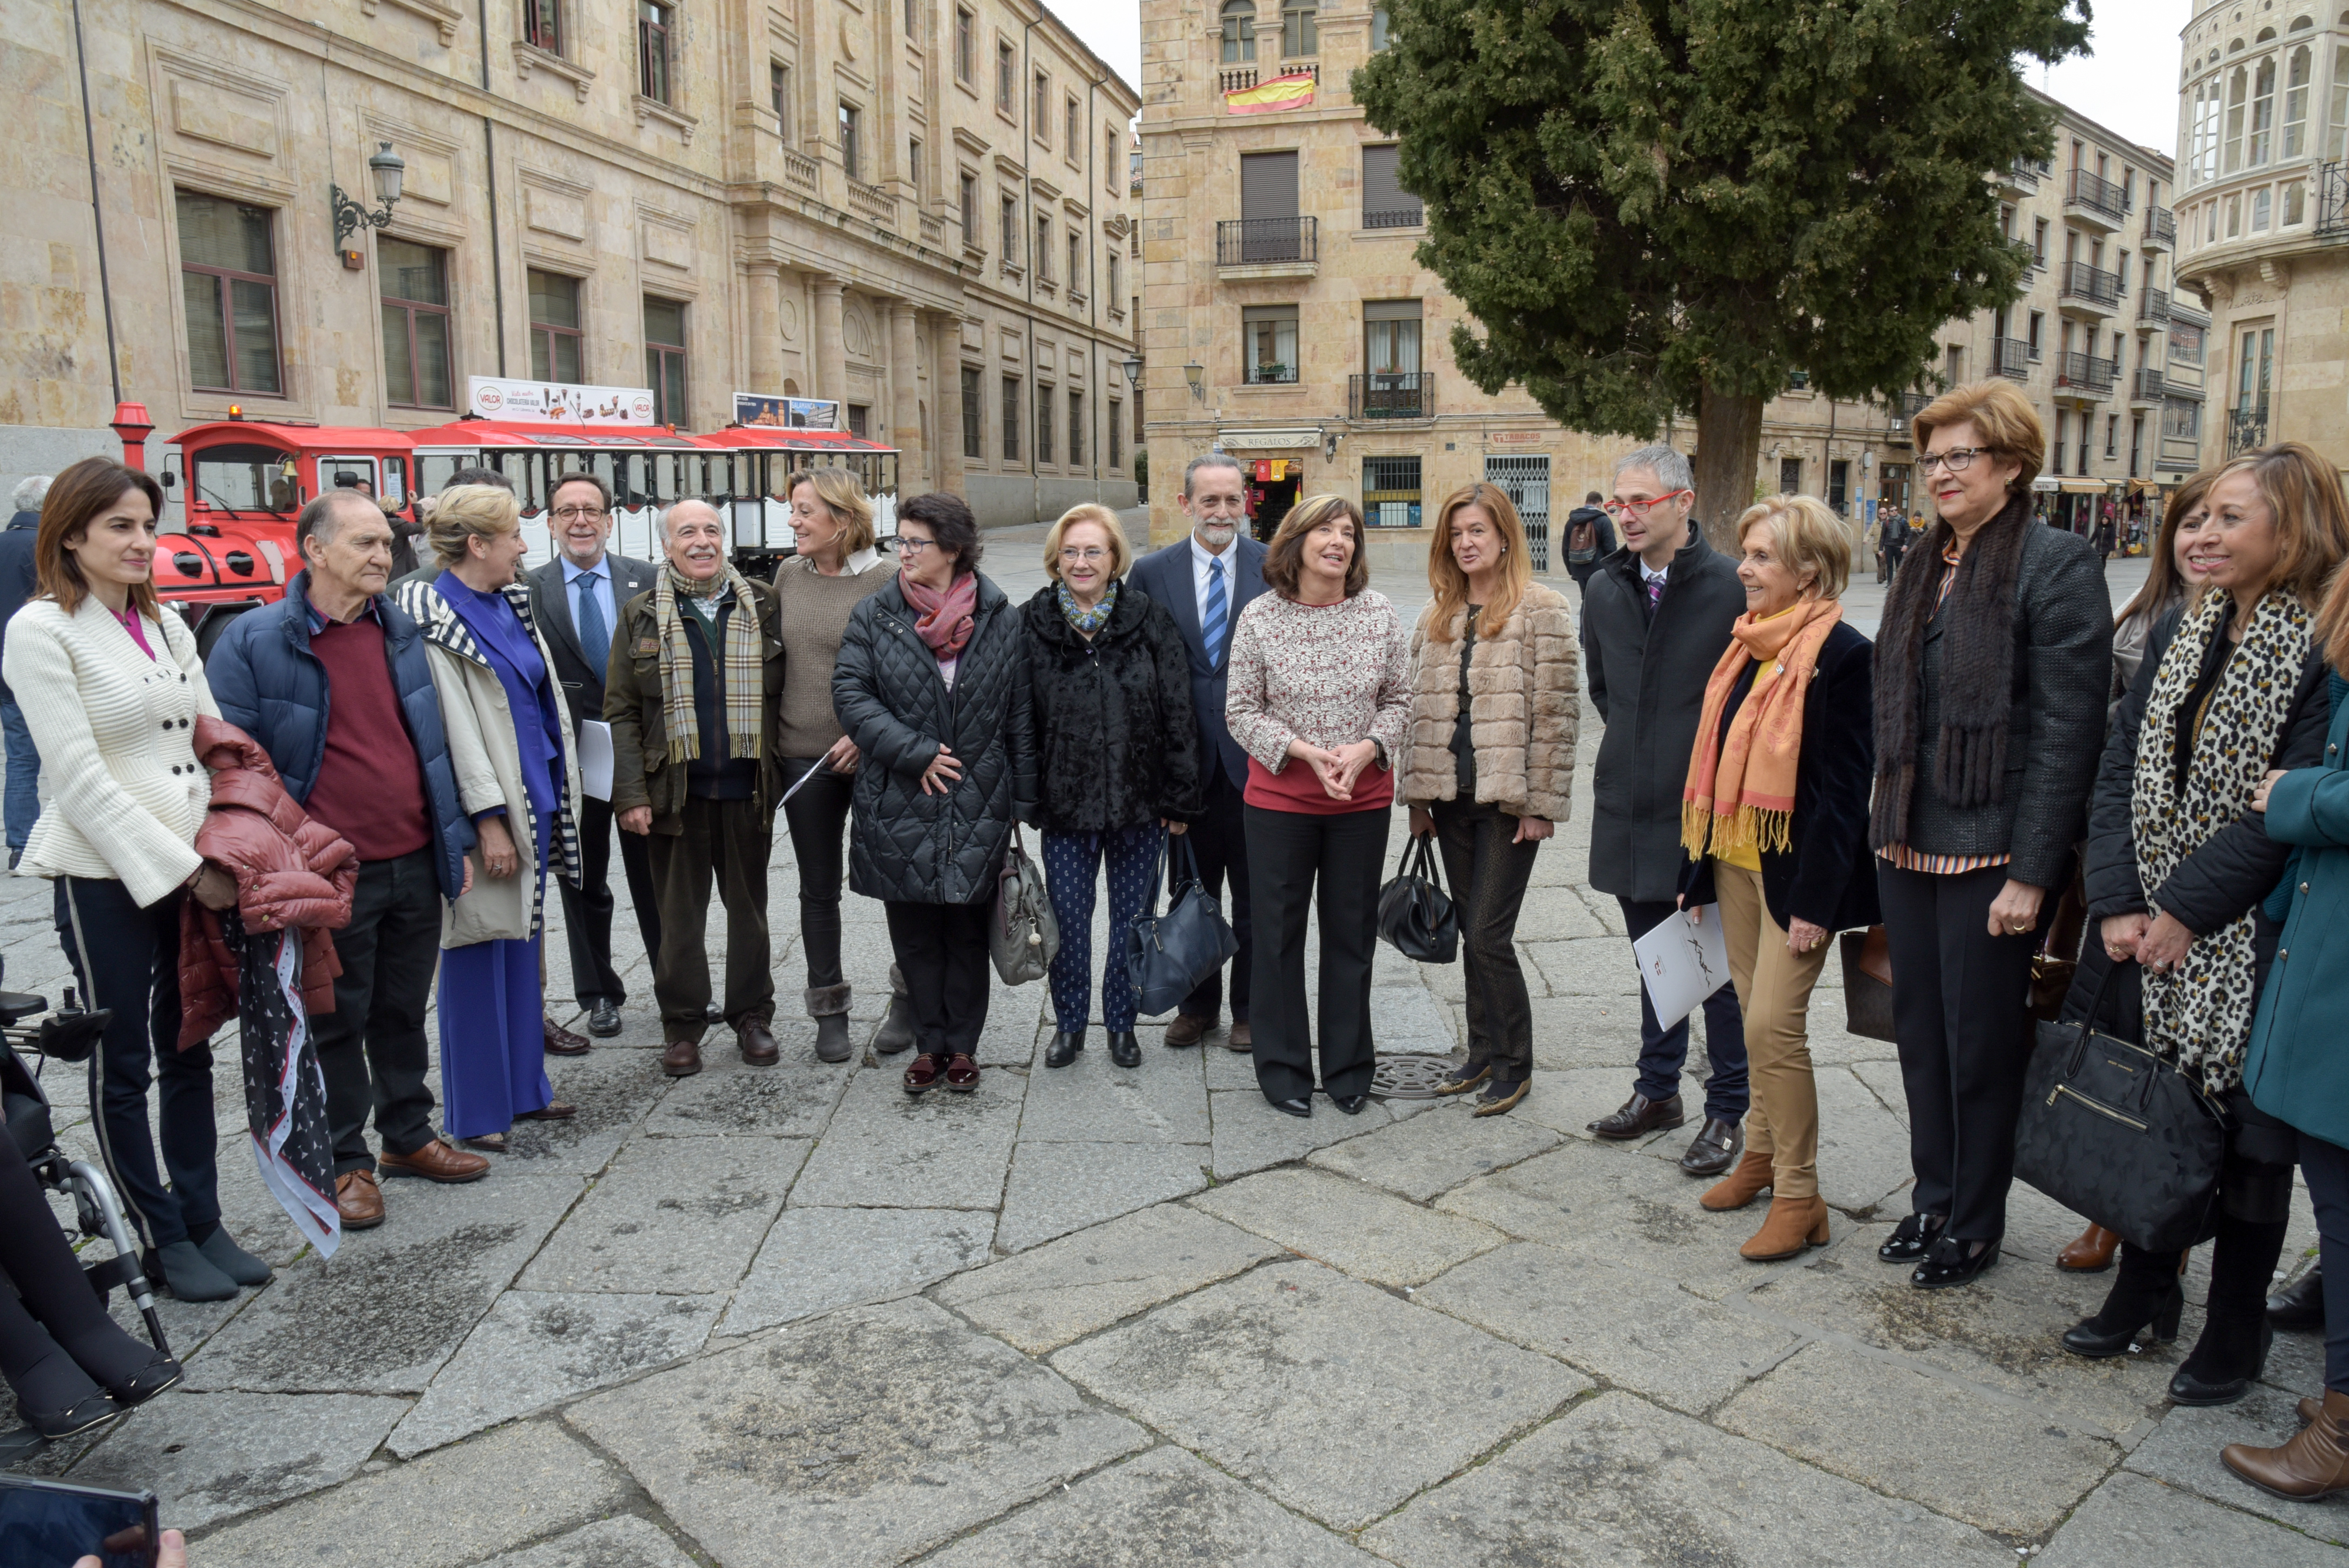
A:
(2295, 104)
(1070, 136)
(2137, 444)
(974, 417)
(2181, 421)
(851, 164)
(779, 94)
(1839, 486)
(1116, 434)
(2112, 435)
(1076, 264)
(1268, 344)
(1382, 28)
(542, 25)
(1076, 429)
(1298, 37)
(2336, 134)
(965, 47)
(913, 165)
(1391, 493)
(1043, 424)
(2295, 204)
(913, 21)
(1137, 402)
(1110, 159)
(1011, 418)
(2038, 326)
(1007, 71)
(228, 280)
(1040, 118)
(2039, 241)
(1043, 249)
(2262, 208)
(415, 287)
(1385, 203)
(971, 210)
(2185, 344)
(2063, 423)
(665, 358)
(554, 328)
(2256, 371)
(1111, 292)
(1790, 476)
(1390, 337)
(860, 420)
(652, 49)
(1010, 232)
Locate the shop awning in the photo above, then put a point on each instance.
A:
(2085, 487)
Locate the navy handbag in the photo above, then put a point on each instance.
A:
(1166, 956)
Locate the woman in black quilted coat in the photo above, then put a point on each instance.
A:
(1112, 728)
(932, 685)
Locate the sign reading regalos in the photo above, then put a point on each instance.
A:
(769, 410)
(552, 402)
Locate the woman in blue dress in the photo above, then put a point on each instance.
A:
(518, 777)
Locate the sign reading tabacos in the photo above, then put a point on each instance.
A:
(495, 397)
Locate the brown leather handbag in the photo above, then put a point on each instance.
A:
(1867, 984)
(2058, 958)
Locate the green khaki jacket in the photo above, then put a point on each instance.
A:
(642, 774)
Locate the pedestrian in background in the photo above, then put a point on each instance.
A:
(2179, 862)
(1775, 826)
(1205, 580)
(934, 686)
(690, 696)
(18, 582)
(1990, 694)
(1590, 538)
(1490, 770)
(1319, 700)
(1655, 619)
(835, 569)
(1114, 760)
(517, 771)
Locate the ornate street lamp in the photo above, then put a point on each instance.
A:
(1192, 373)
(387, 171)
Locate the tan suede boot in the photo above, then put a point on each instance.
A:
(1793, 1224)
(2314, 1464)
(1742, 1186)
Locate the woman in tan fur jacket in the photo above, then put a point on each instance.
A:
(1490, 766)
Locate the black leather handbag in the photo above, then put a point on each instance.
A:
(1415, 915)
(2116, 1134)
(1166, 956)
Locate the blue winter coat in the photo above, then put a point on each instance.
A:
(2297, 1068)
(269, 685)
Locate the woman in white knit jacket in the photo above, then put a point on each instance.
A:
(1493, 711)
(112, 686)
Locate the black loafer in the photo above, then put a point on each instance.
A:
(604, 1021)
(1640, 1116)
(1294, 1107)
(79, 1416)
(1125, 1049)
(1913, 1238)
(1064, 1048)
(1714, 1149)
(1351, 1104)
(1952, 1263)
(2299, 1304)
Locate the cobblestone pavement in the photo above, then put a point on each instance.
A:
(1094, 1317)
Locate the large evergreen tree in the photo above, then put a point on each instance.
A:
(1667, 206)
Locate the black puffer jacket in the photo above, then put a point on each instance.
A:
(922, 848)
(1113, 724)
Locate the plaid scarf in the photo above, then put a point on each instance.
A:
(741, 672)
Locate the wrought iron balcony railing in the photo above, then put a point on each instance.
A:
(1391, 395)
(1260, 242)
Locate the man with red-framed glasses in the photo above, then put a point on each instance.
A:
(1655, 617)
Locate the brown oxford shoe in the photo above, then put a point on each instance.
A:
(758, 1041)
(1639, 1114)
(436, 1161)
(682, 1059)
(561, 1042)
(1240, 1039)
(1187, 1030)
(359, 1200)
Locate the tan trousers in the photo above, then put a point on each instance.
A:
(1773, 988)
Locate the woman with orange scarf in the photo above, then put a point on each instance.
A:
(1775, 820)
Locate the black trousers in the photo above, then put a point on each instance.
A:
(2326, 1168)
(587, 908)
(133, 966)
(942, 950)
(817, 818)
(1331, 865)
(1219, 839)
(371, 1048)
(1488, 874)
(1959, 1003)
(725, 842)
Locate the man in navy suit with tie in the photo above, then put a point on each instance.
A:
(1205, 581)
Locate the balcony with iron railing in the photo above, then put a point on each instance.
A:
(1409, 217)
(2090, 291)
(2023, 176)
(1901, 416)
(2094, 200)
(2160, 229)
(2010, 358)
(1271, 373)
(2148, 385)
(2153, 306)
(2084, 375)
(2333, 199)
(1291, 243)
(2247, 429)
(1392, 395)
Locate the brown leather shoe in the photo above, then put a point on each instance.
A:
(2309, 1408)
(962, 1073)
(561, 1042)
(2314, 1464)
(1639, 1114)
(1792, 1224)
(1715, 1145)
(2091, 1252)
(1187, 1030)
(1741, 1187)
(552, 1111)
(922, 1073)
(436, 1161)
(359, 1200)
(758, 1042)
(682, 1059)
(1239, 1039)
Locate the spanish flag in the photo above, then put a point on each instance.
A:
(1267, 97)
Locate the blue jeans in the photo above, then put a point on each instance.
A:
(22, 804)
(1072, 864)
(1664, 1052)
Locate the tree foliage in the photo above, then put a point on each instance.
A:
(1653, 205)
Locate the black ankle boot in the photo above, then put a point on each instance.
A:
(1125, 1049)
(1064, 1048)
(2233, 1349)
(2142, 1307)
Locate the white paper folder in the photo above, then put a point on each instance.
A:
(596, 759)
(1682, 962)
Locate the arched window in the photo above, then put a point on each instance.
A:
(2262, 149)
(2237, 84)
(2295, 103)
(2300, 23)
(2202, 133)
(1298, 35)
(1239, 30)
(2265, 33)
(2336, 134)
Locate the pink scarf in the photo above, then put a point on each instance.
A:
(943, 621)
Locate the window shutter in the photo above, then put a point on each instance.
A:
(1269, 186)
(1382, 190)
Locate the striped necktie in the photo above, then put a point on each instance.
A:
(1212, 623)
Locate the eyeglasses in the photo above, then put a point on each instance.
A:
(573, 514)
(908, 545)
(1639, 508)
(1956, 459)
(1070, 553)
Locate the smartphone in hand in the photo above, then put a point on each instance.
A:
(50, 1524)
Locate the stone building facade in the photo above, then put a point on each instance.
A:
(918, 208)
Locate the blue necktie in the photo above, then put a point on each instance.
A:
(594, 637)
(1212, 625)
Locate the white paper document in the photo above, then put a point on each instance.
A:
(1682, 964)
(596, 759)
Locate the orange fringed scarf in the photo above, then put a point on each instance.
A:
(1741, 786)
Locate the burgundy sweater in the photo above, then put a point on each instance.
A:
(370, 787)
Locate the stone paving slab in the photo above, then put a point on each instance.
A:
(1094, 1100)
(1996, 1465)
(816, 1260)
(611, 1088)
(1555, 914)
(1568, 1101)
(1064, 1290)
(682, 1216)
(1572, 1032)
(208, 1457)
(1407, 1019)
(2129, 1522)
(1162, 1508)
(731, 1098)
(623, 1543)
(863, 1439)
(538, 1348)
(1435, 1151)
(1332, 1396)
(445, 1510)
(1353, 1227)
(1057, 1188)
(2183, 1452)
(1635, 1330)
(1598, 965)
(936, 1151)
(1617, 1482)
(1251, 1136)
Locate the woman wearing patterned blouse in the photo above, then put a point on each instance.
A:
(1319, 700)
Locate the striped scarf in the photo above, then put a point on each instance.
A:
(741, 671)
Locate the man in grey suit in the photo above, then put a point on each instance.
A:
(576, 596)
(1205, 581)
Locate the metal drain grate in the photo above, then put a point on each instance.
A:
(1410, 1078)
